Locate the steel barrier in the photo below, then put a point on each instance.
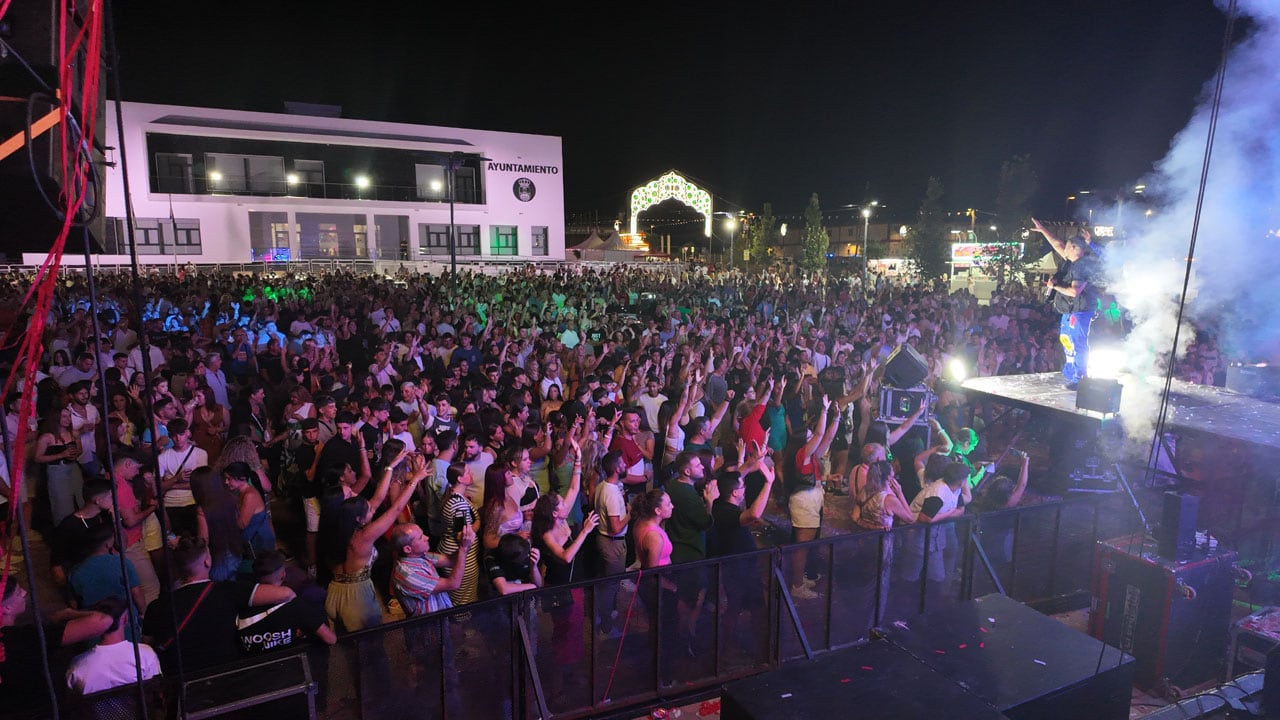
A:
(600, 645)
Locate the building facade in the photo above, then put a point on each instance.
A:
(227, 186)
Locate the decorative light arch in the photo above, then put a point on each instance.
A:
(672, 185)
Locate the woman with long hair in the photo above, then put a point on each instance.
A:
(500, 513)
(457, 511)
(878, 502)
(57, 449)
(351, 600)
(257, 535)
(558, 552)
(553, 402)
(216, 522)
(209, 423)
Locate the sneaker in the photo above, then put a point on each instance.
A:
(1072, 385)
(803, 592)
(811, 582)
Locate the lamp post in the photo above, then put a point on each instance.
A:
(732, 224)
(866, 227)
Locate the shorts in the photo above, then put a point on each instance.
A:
(152, 537)
(311, 509)
(805, 507)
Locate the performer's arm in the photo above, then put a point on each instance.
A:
(1073, 290)
(1057, 244)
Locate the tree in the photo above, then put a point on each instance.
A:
(1018, 184)
(816, 240)
(761, 237)
(928, 251)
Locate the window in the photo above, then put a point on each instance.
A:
(468, 239)
(432, 184)
(540, 240)
(309, 175)
(186, 237)
(269, 236)
(434, 239)
(332, 235)
(504, 241)
(146, 235)
(391, 237)
(253, 174)
(465, 187)
(173, 173)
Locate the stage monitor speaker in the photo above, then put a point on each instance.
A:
(1098, 395)
(1176, 535)
(905, 368)
(1174, 617)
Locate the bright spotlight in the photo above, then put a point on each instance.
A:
(436, 186)
(957, 370)
(291, 178)
(1105, 363)
(215, 176)
(783, 230)
(362, 181)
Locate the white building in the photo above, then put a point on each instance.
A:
(226, 186)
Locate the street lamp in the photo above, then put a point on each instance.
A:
(866, 226)
(732, 224)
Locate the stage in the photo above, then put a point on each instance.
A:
(1200, 409)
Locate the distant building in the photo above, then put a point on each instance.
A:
(229, 186)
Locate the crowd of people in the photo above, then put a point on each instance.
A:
(331, 450)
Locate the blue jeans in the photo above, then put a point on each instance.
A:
(1073, 332)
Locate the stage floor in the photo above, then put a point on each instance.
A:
(1196, 408)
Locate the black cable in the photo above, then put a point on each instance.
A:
(1195, 227)
(16, 499)
(117, 520)
(144, 345)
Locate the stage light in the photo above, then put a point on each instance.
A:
(362, 181)
(1106, 362)
(957, 370)
(215, 176)
(291, 178)
(436, 186)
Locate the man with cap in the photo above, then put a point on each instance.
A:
(1074, 293)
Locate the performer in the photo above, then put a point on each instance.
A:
(1074, 293)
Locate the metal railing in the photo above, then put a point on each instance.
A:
(599, 645)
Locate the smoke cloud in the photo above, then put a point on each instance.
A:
(1234, 291)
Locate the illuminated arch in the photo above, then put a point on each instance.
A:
(672, 185)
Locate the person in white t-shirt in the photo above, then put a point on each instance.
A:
(176, 465)
(111, 662)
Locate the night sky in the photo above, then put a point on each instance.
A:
(761, 102)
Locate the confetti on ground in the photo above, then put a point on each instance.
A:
(786, 695)
(710, 707)
(844, 680)
(991, 620)
(982, 644)
(867, 668)
(963, 645)
(1041, 662)
(900, 625)
(940, 652)
(982, 629)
